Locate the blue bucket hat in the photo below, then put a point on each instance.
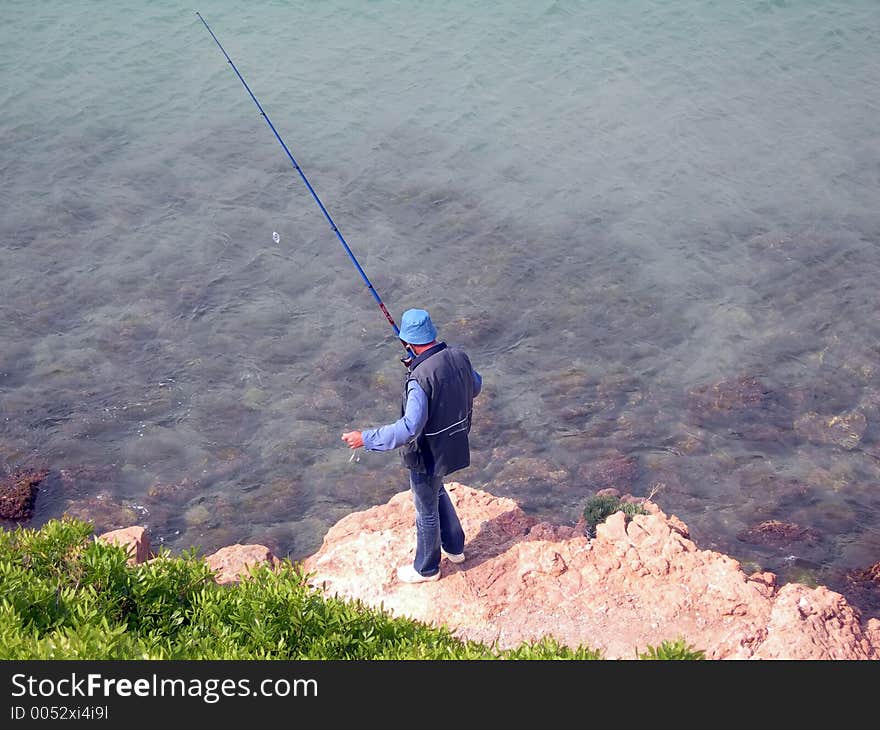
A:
(416, 327)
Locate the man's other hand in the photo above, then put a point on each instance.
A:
(354, 439)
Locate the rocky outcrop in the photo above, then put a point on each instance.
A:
(639, 582)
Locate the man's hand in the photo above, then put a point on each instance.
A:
(354, 439)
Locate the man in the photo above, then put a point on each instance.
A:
(440, 387)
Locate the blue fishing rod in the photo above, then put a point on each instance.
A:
(410, 353)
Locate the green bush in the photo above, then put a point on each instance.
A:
(602, 506)
(65, 595)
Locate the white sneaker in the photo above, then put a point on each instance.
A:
(453, 557)
(408, 574)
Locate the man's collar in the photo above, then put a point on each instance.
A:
(426, 354)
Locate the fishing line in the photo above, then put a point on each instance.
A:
(296, 166)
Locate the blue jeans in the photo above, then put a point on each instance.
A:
(437, 523)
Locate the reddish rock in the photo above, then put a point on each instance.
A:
(135, 540)
(233, 563)
(639, 582)
(18, 492)
(806, 623)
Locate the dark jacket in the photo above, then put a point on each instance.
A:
(447, 377)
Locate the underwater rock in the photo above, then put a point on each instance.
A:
(207, 539)
(739, 394)
(197, 516)
(87, 477)
(222, 419)
(18, 493)
(863, 584)
(538, 484)
(323, 402)
(467, 331)
(827, 393)
(844, 430)
(615, 470)
(254, 397)
(621, 388)
(774, 533)
(124, 334)
(860, 362)
(361, 486)
(278, 499)
(608, 492)
(746, 408)
(280, 538)
(870, 574)
(104, 513)
(576, 396)
(829, 480)
(772, 240)
(492, 426)
(869, 404)
(764, 484)
(763, 435)
(176, 494)
(521, 470)
(307, 536)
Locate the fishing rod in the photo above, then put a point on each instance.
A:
(296, 166)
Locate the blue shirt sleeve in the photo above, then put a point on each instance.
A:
(410, 425)
(406, 428)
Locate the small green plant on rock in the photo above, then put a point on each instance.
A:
(678, 650)
(602, 506)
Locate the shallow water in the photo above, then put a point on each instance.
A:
(654, 226)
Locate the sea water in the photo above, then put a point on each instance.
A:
(653, 225)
